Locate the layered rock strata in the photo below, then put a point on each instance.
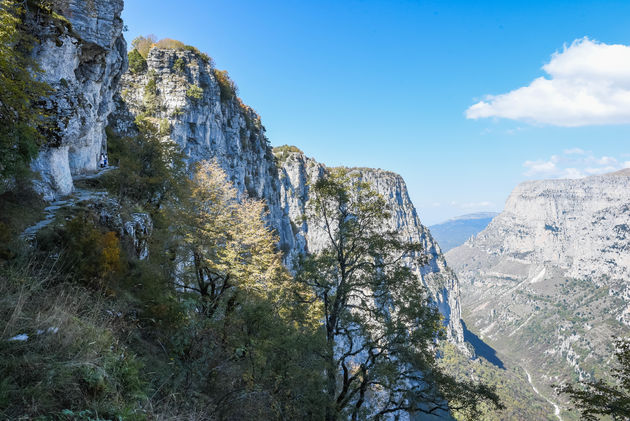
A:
(547, 282)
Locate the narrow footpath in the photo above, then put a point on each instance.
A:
(78, 195)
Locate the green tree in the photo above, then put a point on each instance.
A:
(596, 397)
(228, 88)
(137, 63)
(253, 343)
(150, 168)
(379, 325)
(23, 118)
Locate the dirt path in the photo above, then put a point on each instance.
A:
(78, 195)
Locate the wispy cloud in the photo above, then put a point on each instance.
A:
(588, 84)
(476, 205)
(573, 163)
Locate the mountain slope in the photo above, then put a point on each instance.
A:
(546, 283)
(213, 125)
(454, 232)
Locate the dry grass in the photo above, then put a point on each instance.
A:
(72, 359)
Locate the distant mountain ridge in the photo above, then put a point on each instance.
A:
(455, 231)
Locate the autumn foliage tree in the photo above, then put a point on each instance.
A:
(144, 44)
(226, 246)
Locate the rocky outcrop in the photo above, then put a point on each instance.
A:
(298, 172)
(82, 59)
(546, 283)
(185, 95)
(180, 90)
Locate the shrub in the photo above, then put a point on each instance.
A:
(164, 127)
(180, 65)
(194, 92)
(91, 256)
(149, 169)
(170, 44)
(137, 63)
(70, 360)
(150, 97)
(203, 56)
(227, 87)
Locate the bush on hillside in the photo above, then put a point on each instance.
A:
(149, 168)
(59, 353)
(228, 88)
(170, 44)
(144, 44)
(194, 92)
(137, 63)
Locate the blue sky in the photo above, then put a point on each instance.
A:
(387, 84)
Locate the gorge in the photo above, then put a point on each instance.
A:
(530, 301)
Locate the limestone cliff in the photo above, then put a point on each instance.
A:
(182, 91)
(546, 283)
(83, 60)
(297, 172)
(206, 125)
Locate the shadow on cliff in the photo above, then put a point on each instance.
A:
(481, 348)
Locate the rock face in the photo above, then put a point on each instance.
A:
(206, 125)
(83, 61)
(546, 283)
(183, 94)
(297, 172)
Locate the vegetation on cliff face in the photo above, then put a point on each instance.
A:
(595, 398)
(23, 118)
(123, 338)
(143, 45)
(208, 324)
(137, 63)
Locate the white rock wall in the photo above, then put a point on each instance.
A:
(83, 62)
(298, 172)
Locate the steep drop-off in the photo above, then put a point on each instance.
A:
(546, 283)
(298, 172)
(208, 124)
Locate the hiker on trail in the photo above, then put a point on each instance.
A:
(101, 162)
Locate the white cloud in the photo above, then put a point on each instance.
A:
(476, 205)
(574, 151)
(573, 163)
(589, 84)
